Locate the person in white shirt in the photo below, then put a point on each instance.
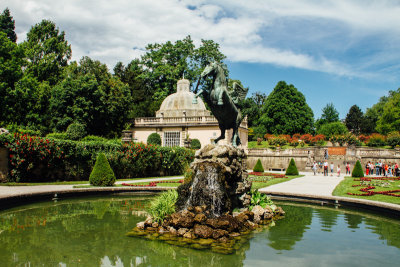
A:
(332, 166)
(326, 168)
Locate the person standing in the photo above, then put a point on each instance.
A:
(326, 168)
(338, 170)
(347, 168)
(332, 167)
(314, 168)
(367, 168)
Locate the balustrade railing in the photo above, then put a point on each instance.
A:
(181, 120)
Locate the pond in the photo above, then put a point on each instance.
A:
(91, 232)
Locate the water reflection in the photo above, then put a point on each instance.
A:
(91, 232)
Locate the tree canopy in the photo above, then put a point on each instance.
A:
(354, 119)
(390, 117)
(7, 25)
(329, 114)
(286, 111)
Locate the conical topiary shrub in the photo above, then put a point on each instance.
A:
(102, 174)
(292, 169)
(357, 170)
(258, 167)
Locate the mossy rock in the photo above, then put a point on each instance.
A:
(292, 168)
(258, 167)
(102, 174)
(357, 170)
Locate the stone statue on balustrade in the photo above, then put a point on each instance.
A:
(223, 103)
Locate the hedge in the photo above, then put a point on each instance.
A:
(34, 159)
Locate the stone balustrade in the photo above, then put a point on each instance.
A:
(154, 121)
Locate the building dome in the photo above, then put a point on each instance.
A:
(180, 103)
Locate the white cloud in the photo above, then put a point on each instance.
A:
(112, 31)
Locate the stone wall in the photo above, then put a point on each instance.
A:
(3, 164)
(279, 159)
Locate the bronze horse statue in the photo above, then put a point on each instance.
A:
(223, 104)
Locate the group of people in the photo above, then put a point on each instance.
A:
(324, 166)
(387, 169)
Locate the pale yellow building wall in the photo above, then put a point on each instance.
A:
(205, 134)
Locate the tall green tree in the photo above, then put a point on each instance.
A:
(154, 76)
(286, 111)
(7, 25)
(252, 108)
(47, 52)
(373, 114)
(329, 114)
(390, 119)
(354, 119)
(90, 95)
(11, 62)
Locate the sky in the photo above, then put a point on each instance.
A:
(344, 52)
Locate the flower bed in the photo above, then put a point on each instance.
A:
(368, 189)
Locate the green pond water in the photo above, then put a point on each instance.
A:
(91, 232)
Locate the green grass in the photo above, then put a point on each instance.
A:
(346, 187)
(272, 181)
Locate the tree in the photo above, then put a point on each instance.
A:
(329, 114)
(357, 171)
(390, 117)
(164, 64)
(7, 25)
(286, 112)
(47, 52)
(258, 167)
(11, 61)
(354, 119)
(333, 128)
(91, 96)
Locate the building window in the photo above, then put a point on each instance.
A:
(172, 139)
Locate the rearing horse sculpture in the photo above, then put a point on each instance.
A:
(221, 102)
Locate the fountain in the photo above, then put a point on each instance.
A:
(218, 186)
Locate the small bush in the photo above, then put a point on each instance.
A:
(76, 131)
(292, 169)
(102, 174)
(376, 140)
(258, 167)
(163, 205)
(393, 139)
(60, 136)
(357, 170)
(195, 144)
(154, 139)
(94, 138)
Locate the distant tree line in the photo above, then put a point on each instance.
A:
(41, 90)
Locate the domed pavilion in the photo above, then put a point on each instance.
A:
(179, 120)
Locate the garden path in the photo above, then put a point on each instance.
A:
(9, 191)
(318, 185)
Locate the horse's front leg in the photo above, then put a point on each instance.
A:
(222, 136)
(235, 137)
(194, 101)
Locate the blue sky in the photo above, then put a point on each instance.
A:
(340, 51)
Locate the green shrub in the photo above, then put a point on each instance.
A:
(333, 128)
(393, 139)
(357, 170)
(195, 144)
(163, 205)
(102, 174)
(154, 139)
(76, 131)
(376, 140)
(258, 167)
(263, 200)
(292, 169)
(62, 136)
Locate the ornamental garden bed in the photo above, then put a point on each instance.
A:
(264, 179)
(385, 189)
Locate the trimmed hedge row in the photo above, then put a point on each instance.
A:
(34, 159)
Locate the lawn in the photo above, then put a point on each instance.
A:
(346, 186)
(269, 179)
